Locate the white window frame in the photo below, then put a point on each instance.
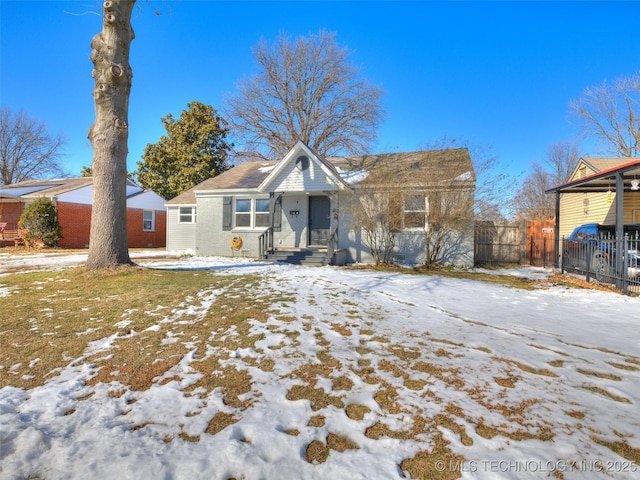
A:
(187, 217)
(253, 213)
(151, 221)
(264, 214)
(410, 209)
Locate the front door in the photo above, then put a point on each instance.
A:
(319, 221)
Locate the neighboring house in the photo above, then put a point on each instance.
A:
(306, 201)
(146, 213)
(590, 195)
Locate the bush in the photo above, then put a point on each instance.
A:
(40, 223)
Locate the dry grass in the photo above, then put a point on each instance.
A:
(356, 412)
(527, 368)
(317, 452)
(605, 393)
(428, 464)
(608, 376)
(621, 448)
(56, 315)
(624, 366)
(219, 422)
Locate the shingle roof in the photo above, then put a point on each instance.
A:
(246, 175)
(48, 188)
(438, 164)
(601, 164)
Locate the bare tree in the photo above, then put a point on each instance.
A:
(531, 201)
(376, 210)
(27, 151)
(562, 158)
(609, 113)
(109, 135)
(305, 90)
(428, 192)
(493, 185)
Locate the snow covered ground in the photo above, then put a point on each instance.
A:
(522, 384)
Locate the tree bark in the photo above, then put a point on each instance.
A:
(109, 134)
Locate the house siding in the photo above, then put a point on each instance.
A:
(82, 196)
(578, 209)
(632, 207)
(180, 236)
(410, 248)
(213, 240)
(292, 179)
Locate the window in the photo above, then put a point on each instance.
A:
(243, 212)
(262, 212)
(252, 212)
(187, 214)
(414, 210)
(148, 220)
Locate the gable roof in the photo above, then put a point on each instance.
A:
(246, 175)
(602, 180)
(426, 167)
(598, 164)
(44, 188)
(438, 165)
(30, 189)
(302, 149)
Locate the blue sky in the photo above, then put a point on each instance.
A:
(498, 73)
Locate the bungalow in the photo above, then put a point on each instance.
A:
(305, 204)
(146, 213)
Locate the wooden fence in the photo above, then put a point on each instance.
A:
(526, 243)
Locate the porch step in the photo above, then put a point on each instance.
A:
(304, 256)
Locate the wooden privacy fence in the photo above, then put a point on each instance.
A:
(529, 242)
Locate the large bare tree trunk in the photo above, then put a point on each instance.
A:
(109, 134)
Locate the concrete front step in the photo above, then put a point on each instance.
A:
(312, 257)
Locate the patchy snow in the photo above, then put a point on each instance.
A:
(464, 177)
(353, 177)
(267, 168)
(478, 337)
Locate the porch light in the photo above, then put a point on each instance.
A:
(635, 185)
(609, 197)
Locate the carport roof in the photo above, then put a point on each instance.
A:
(604, 180)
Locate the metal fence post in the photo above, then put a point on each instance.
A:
(624, 261)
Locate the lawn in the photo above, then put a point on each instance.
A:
(218, 369)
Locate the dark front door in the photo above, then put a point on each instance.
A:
(319, 220)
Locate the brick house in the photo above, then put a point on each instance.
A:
(146, 213)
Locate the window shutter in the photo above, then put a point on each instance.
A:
(226, 213)
(277, 214)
